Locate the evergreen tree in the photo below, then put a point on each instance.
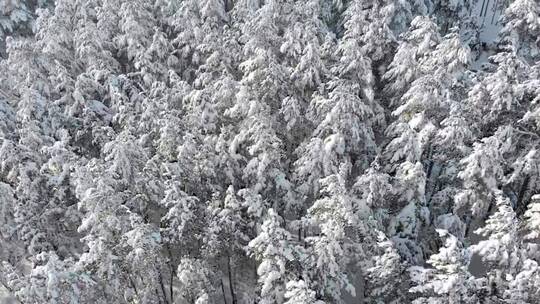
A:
(521, 28)
(501, 251)
(298, 292)
(333, 214)
(448, 281)
(383, 284)
(272, 249)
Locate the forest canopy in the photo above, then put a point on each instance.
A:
(269, 151)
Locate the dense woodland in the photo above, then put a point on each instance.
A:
(269, 151)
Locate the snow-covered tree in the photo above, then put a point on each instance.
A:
(412, 215)
(298, 292)
(448, 279)
(522, 287)
(522, 28)
(417, 42)
(273, 250)
(501, 251)
(375, 191)
(384, 280)
(227, 235)
(196, 281)
(481, 175)
(17, 18)
(332, 213)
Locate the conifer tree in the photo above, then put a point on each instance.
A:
(448, 281)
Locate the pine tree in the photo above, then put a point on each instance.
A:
(448, 281)
(481, 175)
(383, 283)
(522, 28)
(227, 234)
(299, 293)
(405, 226)
(428, 95)
(417, 42)
(375, 189)
(522, 287)
(17, 18)
(333, 214)
(501, 251)
(273, 251)
(261, 90)
(498, 92)
(196, 281)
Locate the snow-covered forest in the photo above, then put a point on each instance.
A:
(269, 151)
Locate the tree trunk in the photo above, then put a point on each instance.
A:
(231, 286)
(162, 286)
(223, 292)
(520, 206)
(173, 273)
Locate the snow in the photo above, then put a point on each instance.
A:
(209, 151)
(488, 18)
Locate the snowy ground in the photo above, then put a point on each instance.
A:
(489, 18)
(488, 15)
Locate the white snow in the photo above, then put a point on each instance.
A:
(488, 17)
